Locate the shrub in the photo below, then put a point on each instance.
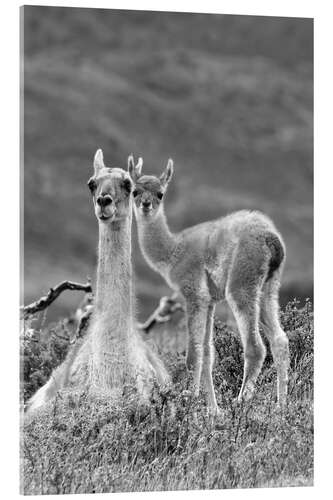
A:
(82, 445)
(41, 352)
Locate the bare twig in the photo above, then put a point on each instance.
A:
(44, 302)
(162, 314)
(82, 325)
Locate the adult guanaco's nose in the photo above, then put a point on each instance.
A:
(146, 204)
(104, 200)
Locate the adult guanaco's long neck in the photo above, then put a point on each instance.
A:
(113, 311)
(156, 240)
(114, 269)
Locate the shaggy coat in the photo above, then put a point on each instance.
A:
(238, 258)
(112, 356)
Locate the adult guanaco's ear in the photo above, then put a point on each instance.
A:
(134, 170)
(98, 161)
(167, 174)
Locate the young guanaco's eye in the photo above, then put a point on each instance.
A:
(159, 195)
(135, 193)
(92, 185)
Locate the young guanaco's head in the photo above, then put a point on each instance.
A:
(149, 191)
(110, 189)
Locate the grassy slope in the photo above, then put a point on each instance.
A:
(78, 446)
(229, 98)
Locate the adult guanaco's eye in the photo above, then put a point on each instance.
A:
(127, 185)
(159, 195)
(92, 185)
(135, 193)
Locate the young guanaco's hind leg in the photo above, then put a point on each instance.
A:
(247, 319)
(243, 296)
(208, 361)
(276, 336)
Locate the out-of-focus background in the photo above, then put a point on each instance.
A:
(229, 98)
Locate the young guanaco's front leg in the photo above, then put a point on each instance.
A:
(208, 362)
(196, 312)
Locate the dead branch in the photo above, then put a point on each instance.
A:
(82, 325)
(44, 302)
(162, 314)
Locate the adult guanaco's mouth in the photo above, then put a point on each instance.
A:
(111, 218)
(145, 210)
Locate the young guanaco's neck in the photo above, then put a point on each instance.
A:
(156, 240)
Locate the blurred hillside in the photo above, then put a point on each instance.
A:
(229, 98)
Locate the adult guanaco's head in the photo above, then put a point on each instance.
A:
(149, 191)
(110, 189)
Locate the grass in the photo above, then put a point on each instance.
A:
(81, 445)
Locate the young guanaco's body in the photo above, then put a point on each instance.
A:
(238, 258)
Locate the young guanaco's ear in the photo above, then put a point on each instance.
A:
(98, 161)
(134, 170)
(167, 174)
